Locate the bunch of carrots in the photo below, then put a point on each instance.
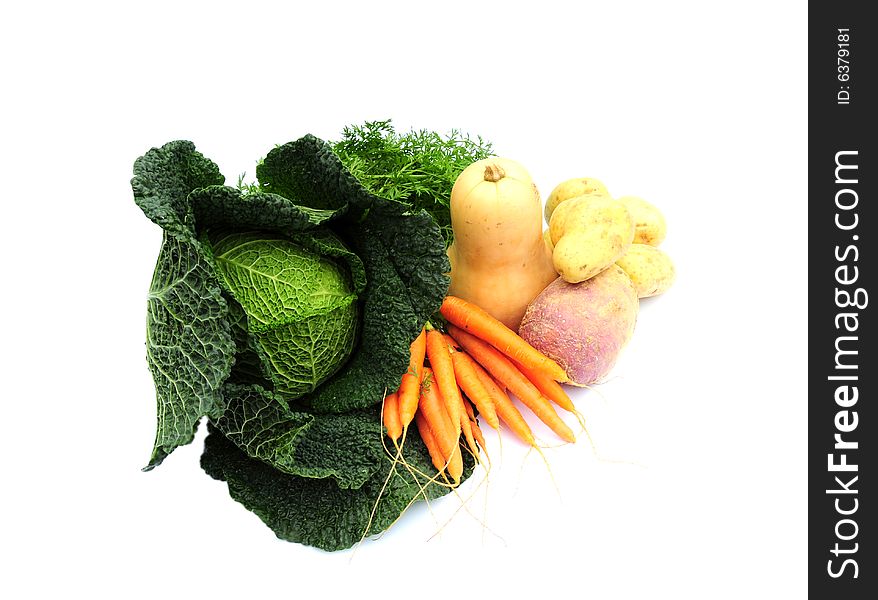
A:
(476, 363)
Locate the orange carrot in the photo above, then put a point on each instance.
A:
(468, 407)
(410, 387)
(477, 434)
(443, 373)
(506, 409)
(549, 388)
(431, 406)
(474, 320)
(451, 342)
(475, 391)
(391, 416)
(471, 419)
(467, 428)
(455, 346)
(503, 370)
(466, 425)
(430, 442)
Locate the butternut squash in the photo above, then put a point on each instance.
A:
(499, 258)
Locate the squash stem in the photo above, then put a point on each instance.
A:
(494, 173)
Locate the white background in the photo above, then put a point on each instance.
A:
(697, 489)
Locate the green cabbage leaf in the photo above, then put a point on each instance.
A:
(231, 310)
(395, 259)
(322, 512)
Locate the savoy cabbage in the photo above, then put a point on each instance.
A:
(284, 313)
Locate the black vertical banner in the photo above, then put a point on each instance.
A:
(843, 343)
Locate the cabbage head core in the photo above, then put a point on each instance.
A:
(301, 309)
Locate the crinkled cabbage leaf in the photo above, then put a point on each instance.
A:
(395, 259)
(311, 463)
(321, 512)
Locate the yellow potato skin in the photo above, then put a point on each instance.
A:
(547, 237)
(572, 188)
(649, 268)
(649, 223)
(589, 234)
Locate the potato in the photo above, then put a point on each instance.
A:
(589, 233)
(547, 237)
(583, 326)
(651, 270)
(571, 189)
(649, 223)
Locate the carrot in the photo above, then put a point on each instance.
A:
(473, 424)
(443, 373)
(431, 406)
(469, 418)
(477, 434)
(474, 320)
(467, 428)
(505, 371)
(475, 391)
(391, 416)
(549, 388)
(465, 413)
(454, 345)
(451, 341)
(468, 407)
(410, 387)
(430, 442)
(505, 409)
